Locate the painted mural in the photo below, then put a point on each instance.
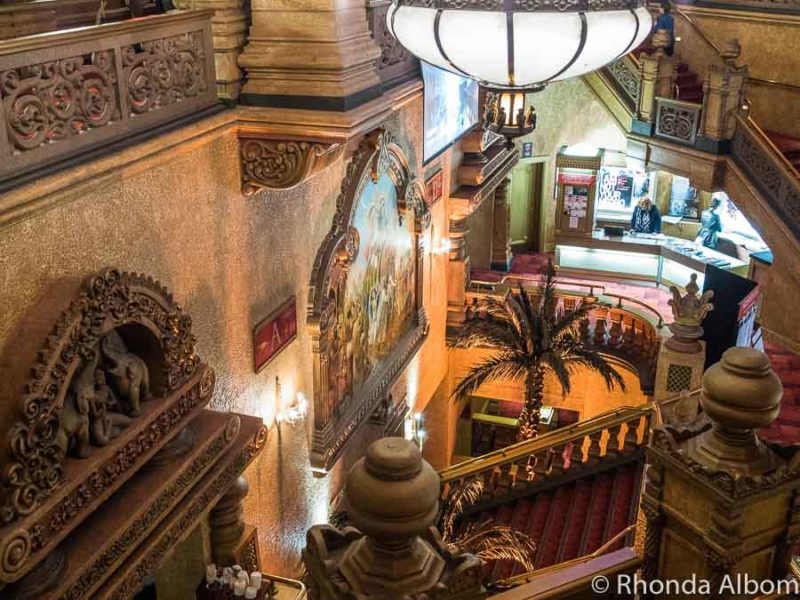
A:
(375, 303)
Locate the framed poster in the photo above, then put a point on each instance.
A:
(274, 333)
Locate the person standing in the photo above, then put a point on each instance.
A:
(711, 226)
(666, 22)
(646, 218)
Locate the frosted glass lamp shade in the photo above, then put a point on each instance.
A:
(519, 43)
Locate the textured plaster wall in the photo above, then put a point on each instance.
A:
(568, 113)
(229, 261)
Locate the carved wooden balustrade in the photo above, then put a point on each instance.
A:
(768, 169)
(73, 92)
(627, 79)
(581, 446)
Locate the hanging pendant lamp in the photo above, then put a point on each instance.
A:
(519, 44)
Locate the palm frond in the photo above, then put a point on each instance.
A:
(505, 365)
(487, 331)
(597, 362)
(547, 291)
(570, 318)
(499, 542)
(559, 367)
(466, 493)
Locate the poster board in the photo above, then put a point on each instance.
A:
(575, 206)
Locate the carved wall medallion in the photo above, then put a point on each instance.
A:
(116, 379)
(282, 164)
(365, 304)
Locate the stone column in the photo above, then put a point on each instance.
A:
(501, 236)
(393, 498)
(723, 94)
(457, 272)
(315, 54)
(658, 77)
(229, 29)
(682, 355)
(719, 503)
(226, 524)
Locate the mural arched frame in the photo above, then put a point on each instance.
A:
(358, 351)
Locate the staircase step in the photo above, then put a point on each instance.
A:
(596, 524)
(548, 547)
(621, 502)
(579, 513)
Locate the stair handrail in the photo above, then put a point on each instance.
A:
(559, 437)
(699, 31)
(761, 138)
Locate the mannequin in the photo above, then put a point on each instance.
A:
(646, 218)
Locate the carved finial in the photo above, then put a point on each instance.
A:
(688, 312)
(730, 52)
(741, 394)
(393, 498)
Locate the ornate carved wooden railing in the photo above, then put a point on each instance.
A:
(71, 92)
(677, 121)
(769, 170)
(513, 469)
(625, 75)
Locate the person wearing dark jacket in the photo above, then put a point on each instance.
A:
(666, 22)
(646, 218)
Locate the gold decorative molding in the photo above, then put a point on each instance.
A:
(283, 164)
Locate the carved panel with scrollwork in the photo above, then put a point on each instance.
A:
(71, 92)
(282, 164)
(115, 380)
(627, 78)
(677, 121)
(764, 167)
(365, 303)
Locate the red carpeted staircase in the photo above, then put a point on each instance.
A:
(571, 519)
(787, 145)
(688, 85)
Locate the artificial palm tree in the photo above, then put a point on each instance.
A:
(528, 341)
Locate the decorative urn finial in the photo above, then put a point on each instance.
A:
(741, 394)
(688, 312)
(393, 552)
(393, 498)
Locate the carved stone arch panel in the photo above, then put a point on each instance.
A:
(123, 354)
(365, 310)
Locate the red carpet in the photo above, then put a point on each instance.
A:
(573, 519)
(788, 146)
(786, 428)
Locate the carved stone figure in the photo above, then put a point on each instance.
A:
(128, 373)
(105, 423)
(73, 434)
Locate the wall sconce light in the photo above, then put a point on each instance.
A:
(289, 411)
(413, 429)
